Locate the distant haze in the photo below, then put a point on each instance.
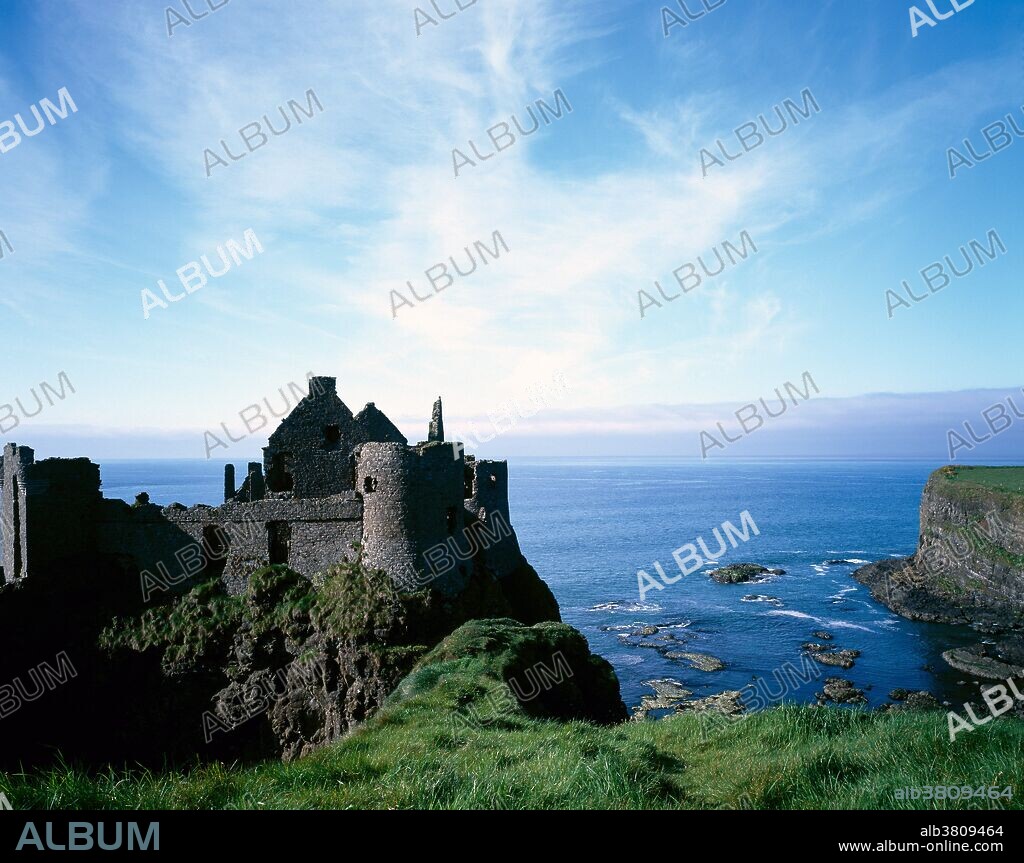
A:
(876, 426)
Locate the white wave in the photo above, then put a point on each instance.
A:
(841, 593)
(825, 623)
(760, 597)
(790, 613)
(625, 605)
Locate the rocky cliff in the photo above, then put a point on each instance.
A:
(280, 669)
(969, 563)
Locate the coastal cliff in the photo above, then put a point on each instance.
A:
(969, 563)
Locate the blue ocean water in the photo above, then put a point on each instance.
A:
(588, 525)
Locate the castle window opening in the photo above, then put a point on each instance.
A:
(280, 478)
(370, 484)
(279, 541)
(450, 518)
(493, 479)
(467, 483)
(215, 550)
(332, 435)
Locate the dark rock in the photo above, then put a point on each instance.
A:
(837, 658)
(831, 655)
(921, 700)
(975, 661)
(822, 634)
(527, 595)
(839, 690)
(737, 573)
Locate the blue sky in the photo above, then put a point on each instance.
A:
(594, 207)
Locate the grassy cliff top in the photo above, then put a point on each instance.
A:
(1005, 479)
(447, 739)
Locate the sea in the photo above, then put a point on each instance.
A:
(588, 525)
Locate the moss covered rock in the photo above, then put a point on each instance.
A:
(290, 665)
(500, 668)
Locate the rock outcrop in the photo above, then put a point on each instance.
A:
(831, 655)
(267, 626)
(740, 573)
(969, 563)
(280, 669)
(990, 660)
(839, 690)
(543, 671)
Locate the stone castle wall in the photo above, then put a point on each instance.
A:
(329, 480)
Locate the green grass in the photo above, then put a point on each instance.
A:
(1009, 480)
(785, 758)
(417, 753)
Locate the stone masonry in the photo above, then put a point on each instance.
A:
(329, 480)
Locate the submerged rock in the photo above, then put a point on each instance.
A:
(668, 693)
(761, 597)
(822, 634)
(666, 687)
(699, 661)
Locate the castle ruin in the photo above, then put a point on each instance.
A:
(330, 480)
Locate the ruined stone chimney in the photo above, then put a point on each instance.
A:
(229, 482)
(257, 486)
(321, 386)
(436, 423)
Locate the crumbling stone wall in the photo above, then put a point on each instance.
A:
(310, 452)
(49, 510)
(185, 543)
(488, 502)
(329, 480)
